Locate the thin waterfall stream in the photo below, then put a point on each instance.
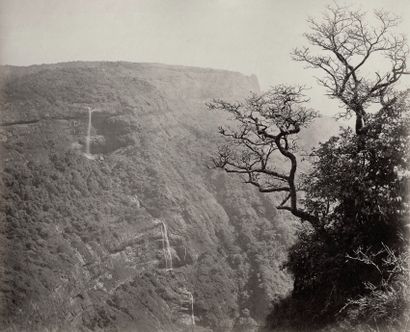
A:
(166, 246)
(88, 138)
(191, 299)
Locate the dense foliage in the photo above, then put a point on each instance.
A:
(353, 269)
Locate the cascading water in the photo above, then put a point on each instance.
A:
(191, 299)
(166, 248)
(88, 138)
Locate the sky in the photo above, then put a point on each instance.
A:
(249, 36)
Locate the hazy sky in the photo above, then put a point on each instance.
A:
(250, 36)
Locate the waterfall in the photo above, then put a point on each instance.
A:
(166, 247)
(87, 144)
(88, 138)
(191, 299)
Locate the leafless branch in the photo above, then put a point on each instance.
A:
(346, 44)
(264, 131)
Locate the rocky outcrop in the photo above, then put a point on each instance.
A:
(81, 242)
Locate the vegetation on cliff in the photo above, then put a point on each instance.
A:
(81, 248)
(350, 261)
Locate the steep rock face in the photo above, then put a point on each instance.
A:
(82, 239)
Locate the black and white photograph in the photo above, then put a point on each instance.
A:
(204, 166)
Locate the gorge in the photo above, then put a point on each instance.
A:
(114, 241)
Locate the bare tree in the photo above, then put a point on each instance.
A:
(348, 50)
(266, 125)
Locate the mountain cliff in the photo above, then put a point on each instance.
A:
(138, 234)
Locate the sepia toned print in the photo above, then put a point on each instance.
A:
(204, 166)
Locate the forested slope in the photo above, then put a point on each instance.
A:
(82, 239)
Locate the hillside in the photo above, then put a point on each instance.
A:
(84, 240)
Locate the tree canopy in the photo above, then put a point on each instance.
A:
(351, 265)
(349, 56)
